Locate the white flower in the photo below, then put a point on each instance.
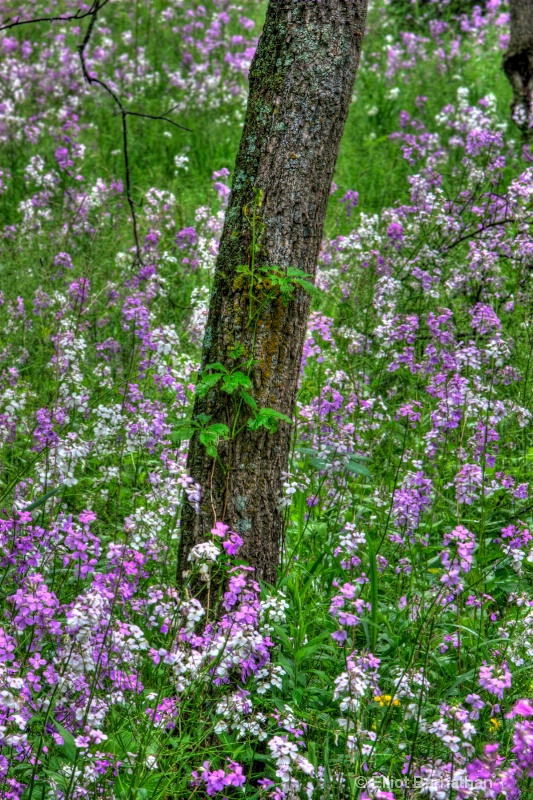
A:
(181, 162)
(204, 551)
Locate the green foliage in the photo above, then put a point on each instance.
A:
(232, 382)
(268, 418)
(371, 162)
(287, 280)
(209, 435)
(237, 383)
(267, 283)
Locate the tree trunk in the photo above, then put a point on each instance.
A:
(518, 63)
(301, 82)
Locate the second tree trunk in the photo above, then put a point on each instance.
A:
(518, 62)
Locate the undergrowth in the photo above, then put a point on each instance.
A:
(393, 658)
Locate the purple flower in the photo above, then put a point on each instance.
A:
(495, 679)
(484, 319)
(411, 500)
(351, 201)
(217, 780)
(468, 481)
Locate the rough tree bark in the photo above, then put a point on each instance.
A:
(301, 82)
(518, 63)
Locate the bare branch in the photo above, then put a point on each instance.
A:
(121, 110)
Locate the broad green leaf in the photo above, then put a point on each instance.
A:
(210, 442)
(357, 468)
(69, 745)
(271, 413)
(219, 428)
(182, 433)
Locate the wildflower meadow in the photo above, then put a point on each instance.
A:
(393, 658)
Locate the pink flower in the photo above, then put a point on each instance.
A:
(523, 707)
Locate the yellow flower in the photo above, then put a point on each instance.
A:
(434, 571)
(494, 724)
(386, 700)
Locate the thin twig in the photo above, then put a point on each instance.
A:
(156, 116)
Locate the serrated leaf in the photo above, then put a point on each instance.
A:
(271, 413)
(207, 383)
(210, 441)
(211, 436)
(249, 400)
(308, 287)
(267, 418)
(255, 423)
(234, 381)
